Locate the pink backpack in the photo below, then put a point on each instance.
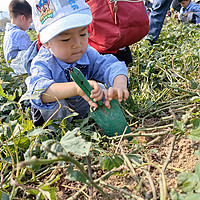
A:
(116, 23)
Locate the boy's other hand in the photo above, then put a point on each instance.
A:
(118, 93)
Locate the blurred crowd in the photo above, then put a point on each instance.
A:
(185, 11)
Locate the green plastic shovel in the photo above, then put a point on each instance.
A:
(111, 120)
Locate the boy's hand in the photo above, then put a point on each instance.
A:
(96, 94)
(186, 14)
(118, 91)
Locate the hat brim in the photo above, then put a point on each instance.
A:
(65, 23)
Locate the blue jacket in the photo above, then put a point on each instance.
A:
(193, 7)
(15, 40)
(46, 69)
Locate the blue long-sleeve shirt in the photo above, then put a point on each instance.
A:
(192, 7)
(15, 40)
(46, 69)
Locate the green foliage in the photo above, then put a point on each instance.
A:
(189, 183)
(74, 175)
(173, 60)
(164, 84)
(71, 143)
(108, 162)
(195, 131)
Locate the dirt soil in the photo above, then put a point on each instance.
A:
(182, 159)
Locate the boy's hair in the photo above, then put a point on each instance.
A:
(19, 7)
(181, 1)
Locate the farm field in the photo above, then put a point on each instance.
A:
(159, 159)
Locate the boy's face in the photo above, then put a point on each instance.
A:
(69, 46)
(184, 4)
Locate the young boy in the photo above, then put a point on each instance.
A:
(16, 40)
(190, 12)
(62, 27)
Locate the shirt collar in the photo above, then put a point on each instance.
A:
(9, 26)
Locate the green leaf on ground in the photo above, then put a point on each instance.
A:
(4, 196)
(74, 175)
(75, 144)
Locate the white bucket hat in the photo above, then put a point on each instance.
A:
(52, 17)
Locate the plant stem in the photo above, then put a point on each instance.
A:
(62, 157)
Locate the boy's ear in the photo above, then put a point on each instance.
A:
(46, 45)
(22, 17)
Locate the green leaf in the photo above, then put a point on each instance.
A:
(195, 196)
(23, 142)
(194, 135)
(47, 143)
(75, 144)
(49, 192)
(109, 162)
(28, 96)
(188, 181)
(4, 196)
(195, 99)
(175, 196)
(196, 124)
(135, 157)
(7, 104)
(11, 97)
(179, 125)
(74, 175)
(197, 169)
(33, 191)
(6, 130)
(182, 178)
(197, 152)
(194, 85)
(55, 147)
(38, 131)
(2, 93)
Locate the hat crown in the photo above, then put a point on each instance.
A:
(47, 12)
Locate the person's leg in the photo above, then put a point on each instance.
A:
(157, 16)
(176, 5)
(80, 106)
(40, 116)
(124, 55)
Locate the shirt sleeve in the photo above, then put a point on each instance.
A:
(40, 80)
(105, 68)
(196, 9)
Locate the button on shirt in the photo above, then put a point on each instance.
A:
(15, 40)
(46, 69)
(192, 7)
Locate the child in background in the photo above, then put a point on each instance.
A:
(16, 40)
(62, 28)
(190, 12)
